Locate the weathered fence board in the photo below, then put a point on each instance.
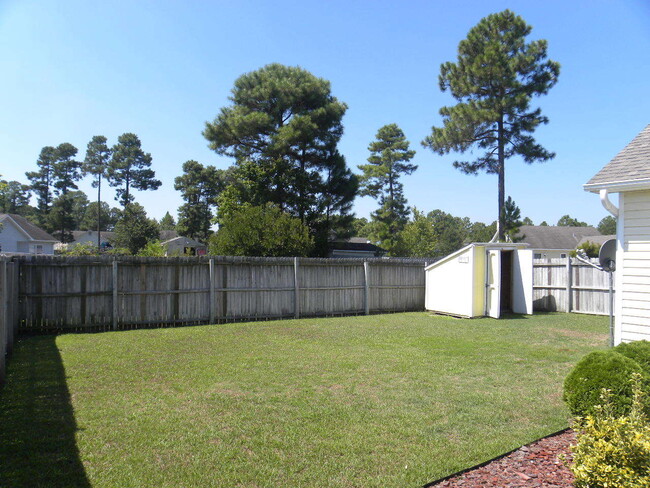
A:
(568, 285)
(8, 311)
(102, 293)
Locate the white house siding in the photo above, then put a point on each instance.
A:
(633, 273)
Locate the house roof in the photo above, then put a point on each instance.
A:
(359, 244)
(106, 235)
(554, 237)
(600, 240)
(184, 241)
(629, 167)
(32, 231)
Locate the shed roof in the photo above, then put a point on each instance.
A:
(554, 237)
(34, 232)
(630, 166)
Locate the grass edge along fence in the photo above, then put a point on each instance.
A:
(106, 293)
(8, 311)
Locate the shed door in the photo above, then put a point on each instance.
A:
(493, 284)
(522, 281)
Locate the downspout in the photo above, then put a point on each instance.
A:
(609, 206)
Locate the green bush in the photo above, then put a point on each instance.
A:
(613, 451)
(638, 351)
(598, 370)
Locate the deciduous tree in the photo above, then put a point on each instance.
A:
(261, 231)
(494, 79)
(568, 221)
(134, 229)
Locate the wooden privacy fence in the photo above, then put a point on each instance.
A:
(104, 293)
(8, 310)
(568, 285)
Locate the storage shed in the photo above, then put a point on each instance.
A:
(628, 174)
(482, 279)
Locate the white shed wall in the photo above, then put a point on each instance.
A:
(633, 267)
(448, 285)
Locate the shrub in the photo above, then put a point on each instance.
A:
(638, 351)
(598, 370)
(613, 451)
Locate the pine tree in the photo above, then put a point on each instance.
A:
(282, 129)
(511, 219)
(167, 222)
(41, 185)
(388, 161)
(496, 75)
(199, 186)
(66, 171)
(130, 168)
(98, 157)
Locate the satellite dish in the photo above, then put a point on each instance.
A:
(607, 255)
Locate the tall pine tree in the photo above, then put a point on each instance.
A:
(199, 186)
(66, 171)
(388, 161)
(98, 157)
(41, 185)
(494, 79)
(130, 168)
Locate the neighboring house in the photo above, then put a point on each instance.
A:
(628, 174)
(180, 245)
(19, 236)
(548, 241)
(90, 237)
(599, 240)
(355, 247)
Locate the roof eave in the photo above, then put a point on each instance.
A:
(619, 186)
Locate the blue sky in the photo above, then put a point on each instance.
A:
(161, 69)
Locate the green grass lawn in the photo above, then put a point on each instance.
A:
(381, 401)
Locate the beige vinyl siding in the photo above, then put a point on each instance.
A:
(635, 296)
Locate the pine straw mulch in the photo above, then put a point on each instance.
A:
(532, 466)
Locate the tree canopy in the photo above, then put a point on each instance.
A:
(380, 179)
(568, 221)
(130, 168)
(282, 129)
(261, 231)
(494, 79)
(607, 226)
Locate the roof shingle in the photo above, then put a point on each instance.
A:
(631, 164)
(554, 237)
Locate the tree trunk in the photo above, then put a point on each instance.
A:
(501, 173)
(99, 213)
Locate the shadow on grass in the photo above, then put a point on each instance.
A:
(37, 424)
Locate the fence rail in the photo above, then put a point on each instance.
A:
(568, 285)
(91, 293)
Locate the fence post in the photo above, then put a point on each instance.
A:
(211, 301)
(3, 320)
(115, 307)
(366, 286)
(296, 291)
(569, 284)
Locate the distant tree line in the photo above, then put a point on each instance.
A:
(289, 190)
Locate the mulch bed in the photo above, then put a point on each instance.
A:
(534, 465)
